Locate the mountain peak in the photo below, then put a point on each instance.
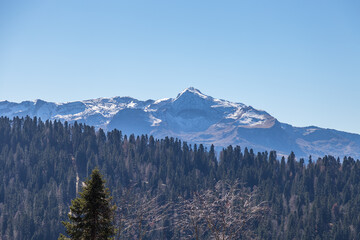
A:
(191, 91)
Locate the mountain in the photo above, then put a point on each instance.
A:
(196, 118)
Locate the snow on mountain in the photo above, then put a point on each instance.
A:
(197, 118)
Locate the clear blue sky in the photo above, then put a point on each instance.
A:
(298, 60)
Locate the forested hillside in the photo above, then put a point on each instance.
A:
(43, 165)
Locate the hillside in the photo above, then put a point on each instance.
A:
(40, 163)
(196, 118)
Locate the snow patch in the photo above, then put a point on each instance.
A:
(132, 104)
(235, 115)
(161, 100)
(309, 131)
(155, 121)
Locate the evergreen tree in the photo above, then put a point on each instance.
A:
(91, 214)
(42, 164)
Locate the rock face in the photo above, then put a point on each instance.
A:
(195, 118)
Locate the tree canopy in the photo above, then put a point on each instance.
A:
(42, 165)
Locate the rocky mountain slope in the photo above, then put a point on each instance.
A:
(196, 118)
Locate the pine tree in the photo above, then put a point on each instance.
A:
(91, 214)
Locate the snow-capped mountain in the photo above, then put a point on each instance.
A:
(197, 118)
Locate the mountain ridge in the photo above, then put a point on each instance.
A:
(196, 118)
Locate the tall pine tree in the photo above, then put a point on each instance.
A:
(91, 214)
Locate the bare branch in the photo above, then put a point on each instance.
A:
(140, 215)
(224, 213)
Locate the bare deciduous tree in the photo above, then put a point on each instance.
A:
(227, 212)
(139, 215)
(189, 218)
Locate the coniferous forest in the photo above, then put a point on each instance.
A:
(44, 164)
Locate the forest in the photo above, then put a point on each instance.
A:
(44, 165)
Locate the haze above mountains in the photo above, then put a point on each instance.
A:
(196, 118)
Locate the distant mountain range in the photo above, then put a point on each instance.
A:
(196, 118)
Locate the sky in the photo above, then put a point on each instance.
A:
(297, 60)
